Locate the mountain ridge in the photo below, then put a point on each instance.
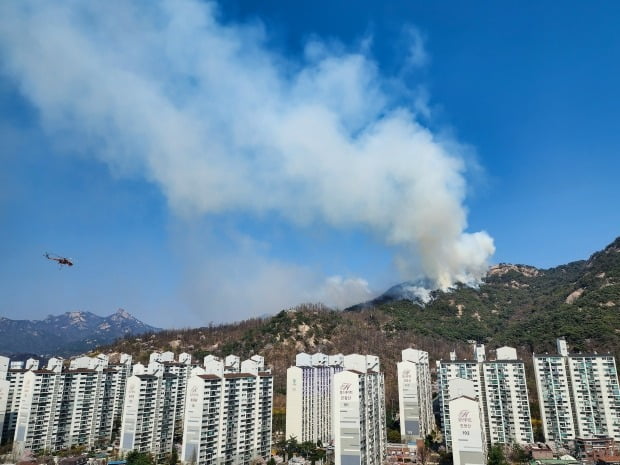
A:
(517, 305)
(67, 334)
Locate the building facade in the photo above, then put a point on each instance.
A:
(149, 412)
(78, 402)
(358, 409)
(12, 394)
(452, 369)
(36, 426)
(414, 395)
(182, 369)
(308, 396)
(227, 418)
(59, 408)
(467, 427)
(579, 395)
(11, 381)
(501, 388)
(507, 414)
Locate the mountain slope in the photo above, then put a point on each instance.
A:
(525, 306)
(67, 334)
(516, 304)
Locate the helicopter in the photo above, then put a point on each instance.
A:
(62, 261)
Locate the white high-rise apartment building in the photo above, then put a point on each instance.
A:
(60, 408)
(556, 409)
(451, 369)
(182, 369)
(12, 376)
(466, 428)
(35, 426)
(500, 387)
(308, 396)
(358, 409)
(115, 381)
(5, 387)
(508, 418)
(414, 395)
(149, 411)
(227, 418)
(85, 411)
(89, 382)
(595, 394)
(5, 364)
(579, 395)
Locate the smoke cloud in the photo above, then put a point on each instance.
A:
(168, 91)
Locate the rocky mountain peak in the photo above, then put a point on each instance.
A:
(122, 314)
(504, 268)
(67, 334)
(76, 317)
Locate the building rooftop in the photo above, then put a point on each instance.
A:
(609, 459)
(554, 462)
(503, 361)
(238, 375)
(445, 362)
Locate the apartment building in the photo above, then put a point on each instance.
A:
(579, 395)
(467, 427)
(113, 397)
(227, 418)
(500, 387)
(414, 395)
(182, 369)
(508, 418)
(4, 398)
(595, 394)
(149, 411)
(77, 408)
(12, 378)
(35, 426)
(59, 408)
(464, 369)
(358, 412)
(308, 396)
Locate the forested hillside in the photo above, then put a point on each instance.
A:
(516, 305)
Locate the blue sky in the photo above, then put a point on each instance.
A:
(205, 162)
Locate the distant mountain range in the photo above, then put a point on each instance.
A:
(67, 334)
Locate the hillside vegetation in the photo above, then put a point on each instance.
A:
(526, 307)
(516, 305)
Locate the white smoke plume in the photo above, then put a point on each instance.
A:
(204, 109)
